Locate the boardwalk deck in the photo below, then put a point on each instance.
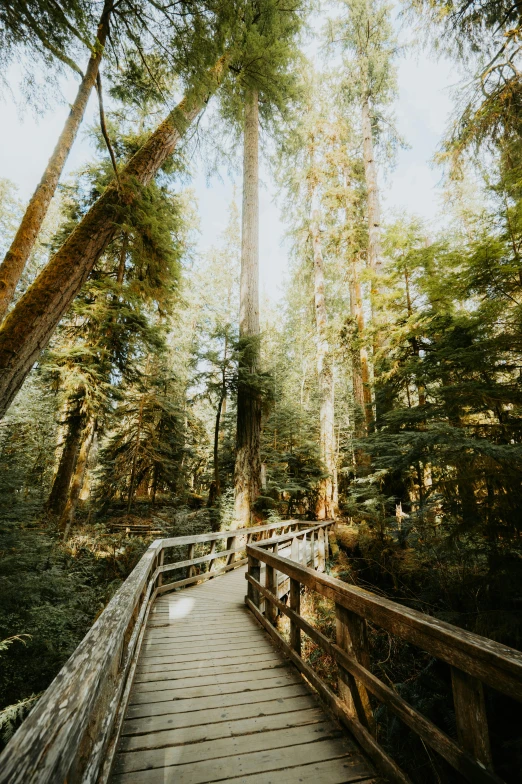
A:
(213, 700)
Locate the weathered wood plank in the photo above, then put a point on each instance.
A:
(210, 690)
(343, 770)
(221, 701)
(306, 713)
(150, 724)
(182, 655)
(352, 637)
(213, 679)
(470, 715)
(232, 664)
(225, 747)
(244, 764)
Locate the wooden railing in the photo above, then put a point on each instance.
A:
(474, 661)
(71, 733)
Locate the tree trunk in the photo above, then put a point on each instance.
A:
(67, 517)
(374, 212)
(360, 370)
(16, 257)
(27, 329)
(135, 456)
(374, 259)
(68, 459)
(325, 508)
(217, 480)
(247, 473)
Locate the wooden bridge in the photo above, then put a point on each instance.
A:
(200, 685)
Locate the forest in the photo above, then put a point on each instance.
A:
(150, 386)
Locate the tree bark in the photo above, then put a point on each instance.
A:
(247, 473)
(325, 507)
(360, 369)
(374, 211)
(217, 480)
(27, 329)
(374, 258)
(68, 514)
(135, 455)
(16, 257)
(68, 459)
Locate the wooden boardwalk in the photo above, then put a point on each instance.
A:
(213, 700)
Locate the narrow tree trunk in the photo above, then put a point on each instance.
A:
(217, 480)
(374, 212)
(421, 392)
(325, 508)
(16, 257)
(68, 459)
(374, 257)
(247, 473)
(360, 369)
(135, 456)
(27, 329)
(67, 517)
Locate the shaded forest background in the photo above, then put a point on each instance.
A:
(389, 377)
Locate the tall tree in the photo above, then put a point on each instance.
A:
(326, 504)
(247, 475)
(28, 327)
(369, 45)
(16, 257)
(266, 87)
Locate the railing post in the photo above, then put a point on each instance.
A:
(190, 556)
(470, 715)
(294, 549)
(271, 585)
(312, 547)
(254, 569)
(304, 555)
(212, 551)
(320, 550)
(326, 545)
(161, 560)
(352, 637)
(295, 605)
(231, 544)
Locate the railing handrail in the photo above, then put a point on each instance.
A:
(66, 735)
(497, 665)
(215, 535)
(473, 660)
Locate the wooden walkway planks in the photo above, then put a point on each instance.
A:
(213, 700)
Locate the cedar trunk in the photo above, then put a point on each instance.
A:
(67, 517)
(247, 473)
(16, 257)
(29, 326)
(325, 508)
(68, 459)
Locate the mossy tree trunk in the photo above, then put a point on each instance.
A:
(247, 472)
(87, 436)
(13, 265)
(75, 420)
(29, 326)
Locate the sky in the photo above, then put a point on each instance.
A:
(422, 111)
